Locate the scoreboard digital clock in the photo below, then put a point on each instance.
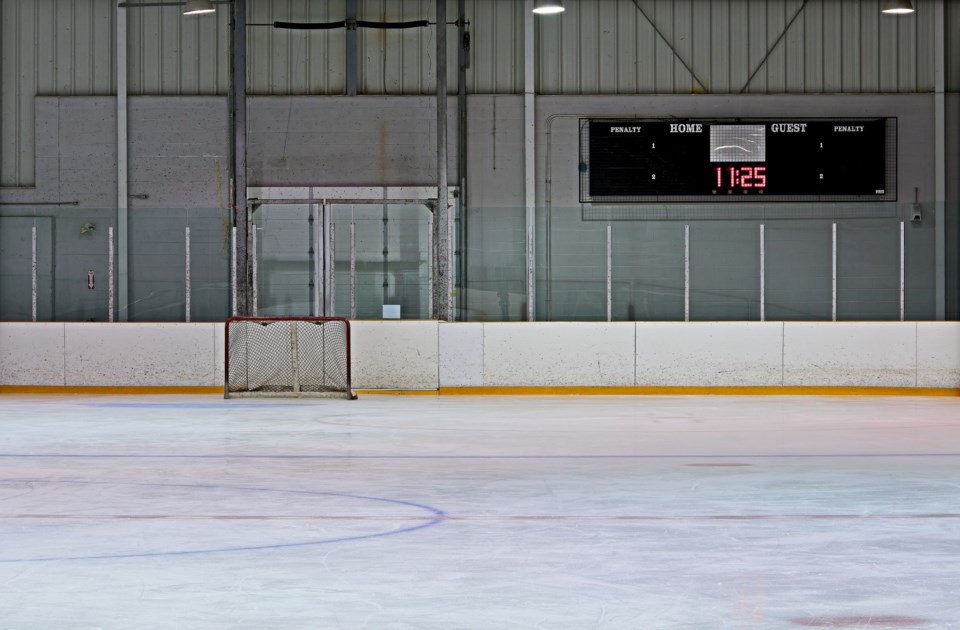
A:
(742, 160)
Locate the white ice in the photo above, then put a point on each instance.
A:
(453, 512)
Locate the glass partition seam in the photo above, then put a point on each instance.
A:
(609, 273)
(233, 271)
(110, 279)
(834, 272)
(902, 265)
(254, 261)
(686, 273)
(186, 303)
(353, 267)
(33, 273)
(763, 287)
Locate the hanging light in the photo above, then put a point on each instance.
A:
(198, 7)
(897, 7)
(546, 7)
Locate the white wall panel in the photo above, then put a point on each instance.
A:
(709, 353)
(938, 354)
(142, 355)
(31, 353)
(558, 354)
(862, 354)
(409, 354)
(461, 355)
(219, 354)
(395, 355)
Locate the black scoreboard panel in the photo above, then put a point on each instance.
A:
(741, 160)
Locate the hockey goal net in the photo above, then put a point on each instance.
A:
(287, 356)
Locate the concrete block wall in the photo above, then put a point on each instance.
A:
(428, 355)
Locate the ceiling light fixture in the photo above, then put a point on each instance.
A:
(547, 7)
(198, 7)
(897, 7)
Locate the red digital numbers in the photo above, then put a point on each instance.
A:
(744, 177)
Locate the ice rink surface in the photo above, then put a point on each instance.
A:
(489, 512)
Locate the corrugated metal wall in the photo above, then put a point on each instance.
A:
(687, 46)
(172, 55)
(390, 61)
(48, 47)
(953, 46)
(66, 47)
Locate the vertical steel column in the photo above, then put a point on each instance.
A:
(122, 164)
(443, 307)
(529, 153)
(464, 61)
(940, 153)
(33, 273)
(238, 157)
(186, 307)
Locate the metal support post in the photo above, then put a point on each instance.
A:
(122, 165)
(529, 154)
(463, 39)
(940, 157)
(238, 156)
(443, 290)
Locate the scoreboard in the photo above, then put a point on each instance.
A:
(738, 160)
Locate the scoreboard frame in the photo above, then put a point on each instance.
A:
(738, 160)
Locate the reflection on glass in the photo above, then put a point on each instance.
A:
(285, 238)
(381, 257)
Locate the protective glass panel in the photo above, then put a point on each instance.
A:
(724, 271)
(286, 237)
(161, 289)
(647, 271)
(26, 268)
(868, 270)
(576, 273)
(799, 270)
(381, 259)
(494, 284)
